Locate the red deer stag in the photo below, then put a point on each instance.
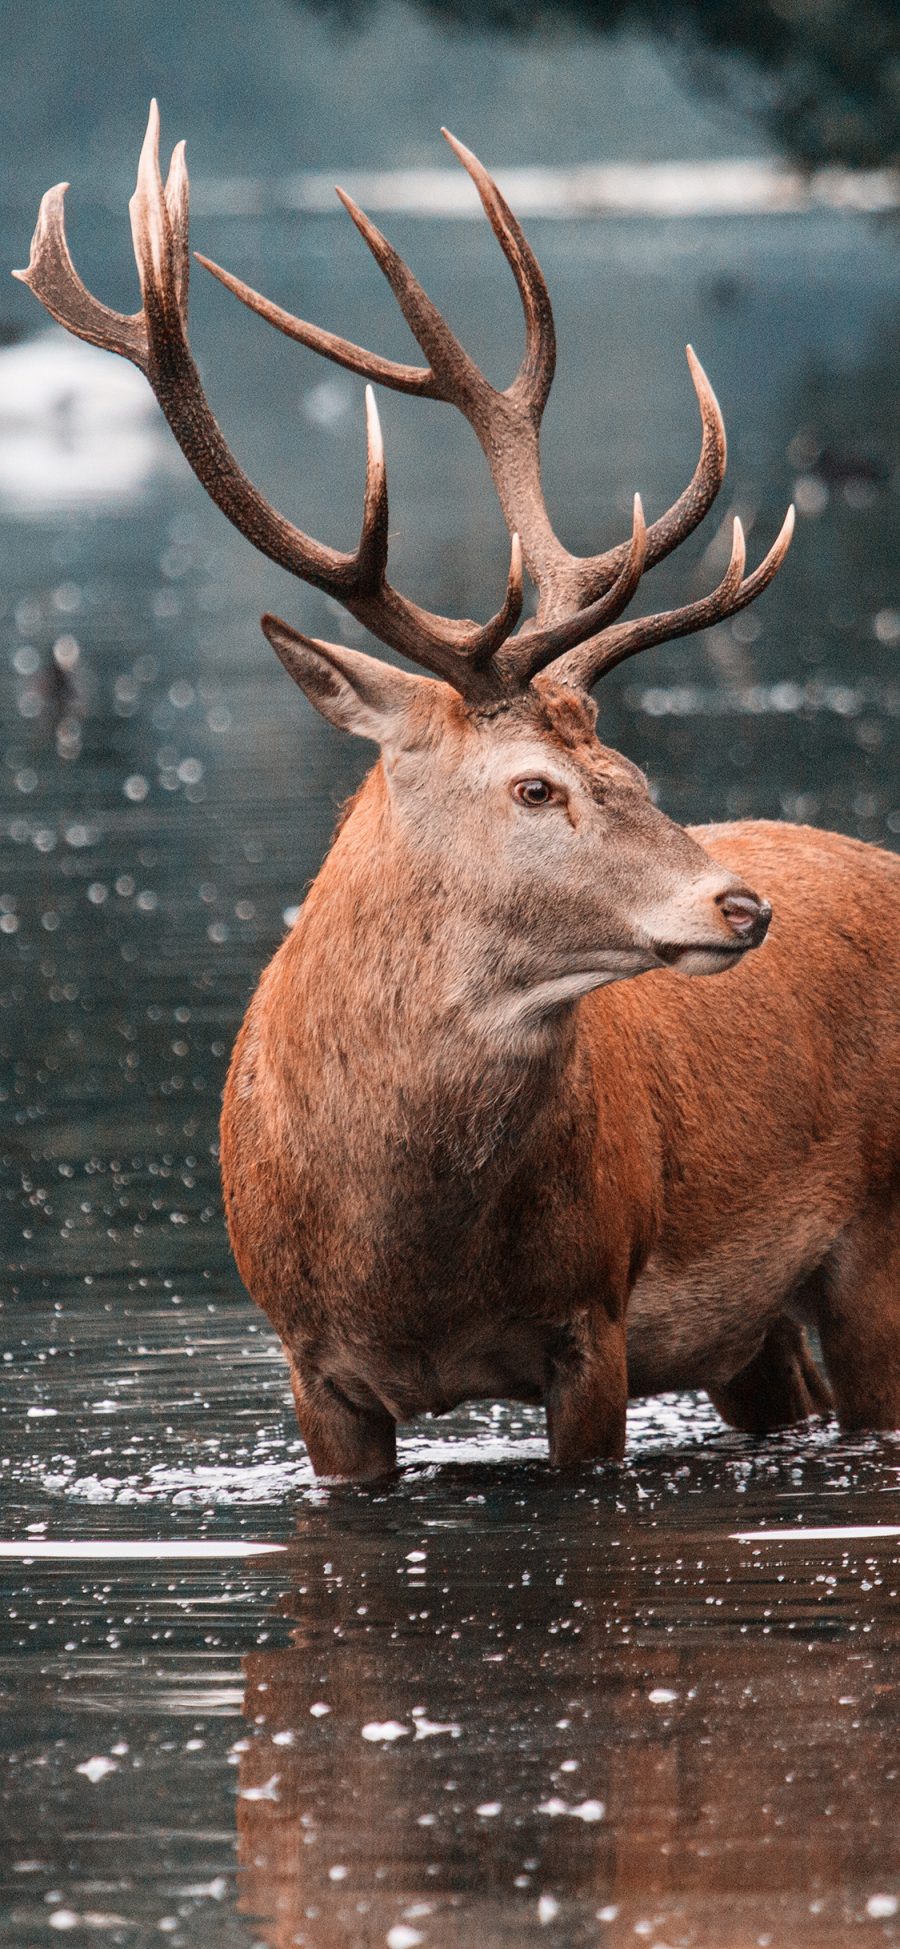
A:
(455, 1159)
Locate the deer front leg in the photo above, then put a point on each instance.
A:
(345, 1442)
(587, 1391)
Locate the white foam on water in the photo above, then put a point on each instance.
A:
(185, 1488)
(489, 1450)
(586, 1810)
(851, 1532)
(666, 1422)
(121, 1550)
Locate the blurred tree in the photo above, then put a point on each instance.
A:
(830, 70)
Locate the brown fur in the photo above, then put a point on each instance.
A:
(430, 1207)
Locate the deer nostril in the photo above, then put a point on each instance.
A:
(746, 915)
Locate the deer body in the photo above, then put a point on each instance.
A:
(431, 1212)
(464, 1152)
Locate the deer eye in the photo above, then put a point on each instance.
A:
(534, 791)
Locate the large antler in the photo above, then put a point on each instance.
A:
(155, 339)
(579, 597)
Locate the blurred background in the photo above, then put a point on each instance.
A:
(721, 172)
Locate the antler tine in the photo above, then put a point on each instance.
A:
(160, 265)
(388, 372)
(448, 644)
(456, 374)
(52, 276)
(534, 649)
(584, 667)
(535, 376)
(685, 514)
(460, 652)
(160, 247)
(177, 199)
(372, 552)
(501, 626)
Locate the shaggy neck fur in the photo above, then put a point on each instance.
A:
(399, 996)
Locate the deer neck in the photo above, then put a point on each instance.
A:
(384, 996)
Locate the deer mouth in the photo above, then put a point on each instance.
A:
(672, 951)
(706, 957)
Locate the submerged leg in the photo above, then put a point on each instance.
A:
(587, 1392)
(859, 1321)
(779, 1386)
(345, 1442)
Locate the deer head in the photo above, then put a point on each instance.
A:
(497, 764)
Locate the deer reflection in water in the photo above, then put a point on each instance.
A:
(526, 1743)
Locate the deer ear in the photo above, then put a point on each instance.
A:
(355, 692)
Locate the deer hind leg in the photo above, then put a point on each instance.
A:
(587, 1392)
(779, 1386)
(345, 1442)
(859, 1320)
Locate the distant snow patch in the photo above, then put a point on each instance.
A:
(77, 429)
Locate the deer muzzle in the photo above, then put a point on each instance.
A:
(746, 916)
(731, 920)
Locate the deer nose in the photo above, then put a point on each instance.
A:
(747, 916)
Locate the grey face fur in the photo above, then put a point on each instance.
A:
(553, 870)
